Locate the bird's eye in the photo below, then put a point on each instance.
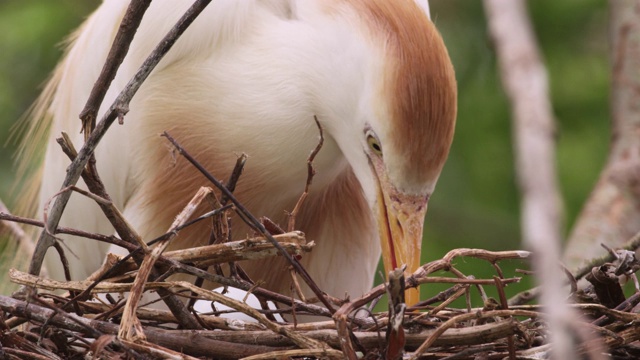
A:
(374, 144)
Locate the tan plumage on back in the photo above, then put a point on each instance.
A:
(249, 76)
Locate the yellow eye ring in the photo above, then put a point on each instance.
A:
(374, 144)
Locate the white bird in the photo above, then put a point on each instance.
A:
(249, 76)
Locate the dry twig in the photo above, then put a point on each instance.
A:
(253, 222)
(116, 111)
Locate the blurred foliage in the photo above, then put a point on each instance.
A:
(31, 34)
(476, 202)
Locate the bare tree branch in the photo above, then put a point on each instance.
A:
(124, 37)
(611, 216)
(525, 81)
(24, 242)
(524, 78)
(117, 110)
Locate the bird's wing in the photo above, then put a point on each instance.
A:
(216, 30)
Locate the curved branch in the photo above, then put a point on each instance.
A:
(612, 212)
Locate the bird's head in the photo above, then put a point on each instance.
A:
(403, 124)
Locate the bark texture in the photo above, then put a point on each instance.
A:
(524, 78)
(612, 213)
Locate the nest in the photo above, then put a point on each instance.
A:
(81, 324)
(38, 324)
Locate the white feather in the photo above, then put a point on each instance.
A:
(242, 62)
(247, 76)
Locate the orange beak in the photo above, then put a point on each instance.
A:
(400, 220)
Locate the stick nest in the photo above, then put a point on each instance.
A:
(84, 325)
(93, 320)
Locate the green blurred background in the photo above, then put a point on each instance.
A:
(476, 203)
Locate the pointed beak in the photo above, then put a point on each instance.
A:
(400, 219)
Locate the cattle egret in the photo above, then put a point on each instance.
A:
(249, 77)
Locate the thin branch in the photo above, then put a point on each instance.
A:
(123, 228)
(234, 177)
(128, 28)
(203, 347)
(504, 304)
(131, 328)
(253, 222)
(102, 198)
(25, 243)
(310, 174)
(117, 110)
(184, 268)
(85, 328)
